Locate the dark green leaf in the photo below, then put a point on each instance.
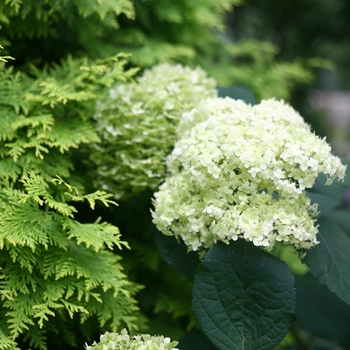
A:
(347, 175)
(325, 203)
(321, 312)
(243, 297)
(341, 218)
(335, 190)
(329, 261)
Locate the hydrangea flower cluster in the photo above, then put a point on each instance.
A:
(240, 171)
(137, 125)
(122, 341)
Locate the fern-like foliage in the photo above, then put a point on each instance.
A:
(4, 58)
(54, 268)
(51, 262)
(45, 117)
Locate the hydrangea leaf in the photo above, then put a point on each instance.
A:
(347, 175)
(342, 218)
(335, 190)
(325, 204)
(321, 312)
(243, 297)
(329, 261)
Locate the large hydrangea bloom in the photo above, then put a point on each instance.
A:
(122, 341)
(240, 171)
(137, 126)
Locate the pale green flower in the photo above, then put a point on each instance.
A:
(241, 171)
(137, 126)
(122, 341)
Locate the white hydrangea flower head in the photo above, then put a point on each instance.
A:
(137, 125)
(240, 171)
(122, 341)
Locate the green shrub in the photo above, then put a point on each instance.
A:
(54, 267)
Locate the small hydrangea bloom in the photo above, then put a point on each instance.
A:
(137, 126)
(240, 171)
(122, 341)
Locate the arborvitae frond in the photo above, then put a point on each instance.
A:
(74, 280)
(45, 270)
(22, 224)
(38, 120)
(111, 307)
(76, 80)
(43, 14)
(186, 22)
(67, 134)
(9, 170)
(101, 196)
(6, 343)
(50, 265)
(106, 10)
(37, 189)
(155, 52)
(13, 89)
(4, 58)
(96, 235)
(55, 163)
(37, 338)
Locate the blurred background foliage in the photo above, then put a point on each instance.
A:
(300, 30)
(296, 50)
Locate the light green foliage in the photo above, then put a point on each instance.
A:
(253, 64)
(49, 269)
(231, 177)
(4, 58)
(169, 30)
(137, 124)
(38, 17)
(54, 268)
(122, 341)
(45, 117)
(153, 31)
